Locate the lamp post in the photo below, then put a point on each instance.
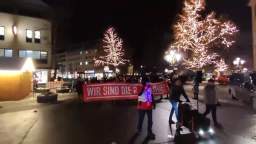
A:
(172, 57)
(238, 62)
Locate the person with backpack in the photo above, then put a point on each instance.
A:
(145, 106)
(211, 101)
(176, 91)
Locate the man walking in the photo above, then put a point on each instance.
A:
(211, 101)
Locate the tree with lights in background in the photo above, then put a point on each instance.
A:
(198, 35)
(113, 48)
(221, 66)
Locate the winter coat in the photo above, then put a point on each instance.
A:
(146, 100)
(176, 92)
(210, 95)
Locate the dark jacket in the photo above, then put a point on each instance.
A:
(210, 95)
(176, 92)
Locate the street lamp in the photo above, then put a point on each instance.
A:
(117, 70)
(106, 69)
(238, 62)
(172, 57)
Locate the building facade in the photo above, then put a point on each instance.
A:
(252, 4)
(80, 62)
(22, 37)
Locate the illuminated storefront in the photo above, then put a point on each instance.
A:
(41, 76)
(15, 78)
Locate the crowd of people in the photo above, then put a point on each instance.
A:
(146, 102)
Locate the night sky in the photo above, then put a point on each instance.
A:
(144, 26)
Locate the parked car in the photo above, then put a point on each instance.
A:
(223, 79)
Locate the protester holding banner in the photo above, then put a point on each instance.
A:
(79, 87)
(176, 91)
(145, 106)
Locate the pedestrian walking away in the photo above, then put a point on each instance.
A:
(145, 106)
(175, 92)
(211, 101)
(79, 87)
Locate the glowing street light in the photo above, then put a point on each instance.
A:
(106, 69)
(172, 57)
(14, 29)
(117, 70)
(238, 62)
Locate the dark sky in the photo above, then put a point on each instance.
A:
(145, 26)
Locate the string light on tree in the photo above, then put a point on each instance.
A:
(221, 66)
(199, 35)
(113, 48)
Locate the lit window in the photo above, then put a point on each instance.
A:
(86, 63)
(8, 52)
(37, 36)
(36, 55)
(29, 35)
(1, 52)
(2, 33)
(86, 52)
(22, 53)
(43, 55)
(29, 53)
(5, 52)
(81, 63)
(81, 52)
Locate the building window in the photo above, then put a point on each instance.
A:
(81, 63)
(29, 53)
(29, 36)
(1, 52)
(2, 32)
(81, 52)
(44, 55)
(37, 37)
(6, 52)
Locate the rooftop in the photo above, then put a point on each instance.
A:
(34, 8)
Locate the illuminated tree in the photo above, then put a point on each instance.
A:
(221, 66)
(199, 36)
(113, 48)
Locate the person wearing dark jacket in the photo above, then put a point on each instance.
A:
(79, 87)
(211, 101)
(145, 106)
(175, 92)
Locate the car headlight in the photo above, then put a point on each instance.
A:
(201, 132)
(211, 131)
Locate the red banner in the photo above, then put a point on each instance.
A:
(119, 91)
